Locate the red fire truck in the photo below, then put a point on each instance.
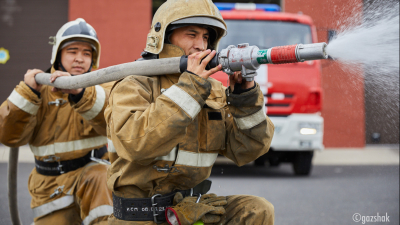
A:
(292, 92)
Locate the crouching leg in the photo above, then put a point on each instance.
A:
(93, 196)
(246, 210)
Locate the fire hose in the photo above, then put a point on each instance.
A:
(12, 186)
(244, 58)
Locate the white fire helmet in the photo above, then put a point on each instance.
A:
(77, 30)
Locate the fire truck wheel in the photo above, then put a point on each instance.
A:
(260, 162)
(274, 162)
(302, 163)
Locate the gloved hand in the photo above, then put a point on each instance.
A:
(186, 211)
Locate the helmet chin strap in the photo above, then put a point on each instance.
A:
(62, 67)
(90, 67)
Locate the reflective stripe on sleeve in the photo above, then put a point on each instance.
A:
(171, 155)
(23, 103)
(195, 159)
(53, 206)
(98, 105)
(183, 100)
(110, 146)
(251, 121)
(69, 146)
(103, 210)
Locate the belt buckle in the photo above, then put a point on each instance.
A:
(101, 161)
(53, 158)
(60, 168)
(192, 194)
(153, 205)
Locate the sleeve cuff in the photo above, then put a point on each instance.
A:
(238, 89)
(191, 73)
(34, 91)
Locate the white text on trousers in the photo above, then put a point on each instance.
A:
(145, 209)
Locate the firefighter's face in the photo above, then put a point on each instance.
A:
(190, 38)
(76, 58)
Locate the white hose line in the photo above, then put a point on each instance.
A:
(12, 186)
(144, 68)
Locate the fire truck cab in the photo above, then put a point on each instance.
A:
(292, 92)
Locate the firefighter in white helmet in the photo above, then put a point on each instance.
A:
(165, 132)
(66, 132)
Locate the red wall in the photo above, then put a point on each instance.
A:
(121, 26)
(343, 106)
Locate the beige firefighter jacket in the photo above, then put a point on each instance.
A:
(165, 132)
(54, 126)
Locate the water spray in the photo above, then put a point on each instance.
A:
(244, 58)
(374, 42)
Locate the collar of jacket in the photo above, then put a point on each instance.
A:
(170, 51)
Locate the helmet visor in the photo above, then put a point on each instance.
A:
(74, 40)
(202, 20)
(81, 28)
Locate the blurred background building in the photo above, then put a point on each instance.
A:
(354, 116)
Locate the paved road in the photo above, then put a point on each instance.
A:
(331, 195)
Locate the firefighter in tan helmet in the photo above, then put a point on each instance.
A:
(165, 132)
(66, 132)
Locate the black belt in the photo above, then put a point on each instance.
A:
(152, 209)
(55, 168)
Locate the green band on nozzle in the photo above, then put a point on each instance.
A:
(262, 56)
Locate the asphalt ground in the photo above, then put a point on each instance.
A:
(337, 189)
(331, 195)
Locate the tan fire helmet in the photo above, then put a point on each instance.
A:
(174, 12)
(77, 30)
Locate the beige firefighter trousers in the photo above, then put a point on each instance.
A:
(91, 192)
(240, 210)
